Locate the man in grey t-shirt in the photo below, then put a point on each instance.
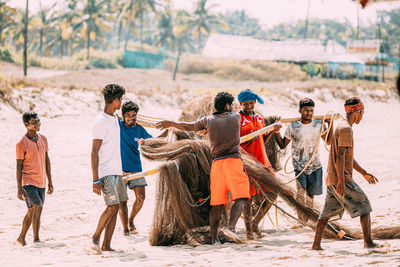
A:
(227, 171)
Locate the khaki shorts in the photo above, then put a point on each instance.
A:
(114, 190)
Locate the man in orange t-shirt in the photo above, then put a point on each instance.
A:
(33, 165)
(251, 122)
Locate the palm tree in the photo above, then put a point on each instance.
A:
(6, 19)
(203, 22)
(307, 16)
(68, 26)
(140, 7)
(47, 18)
(93, 22)
(182, 37)
(164, 31)
(125, 16)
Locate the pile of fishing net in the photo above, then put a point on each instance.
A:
(182, 208)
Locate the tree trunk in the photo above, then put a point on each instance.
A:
(119, 34)
(1, 34)
(141, 31)
(199, 39)
(88, 44)
(176, 65)
(25, 55)
(127, 34)
(60, 53)
(128, 26)
(41, 42)
(308, 14)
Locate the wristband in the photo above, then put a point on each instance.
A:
(96, 182)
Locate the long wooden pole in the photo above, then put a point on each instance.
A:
(151, 122)
(242, 140)
(317, 117)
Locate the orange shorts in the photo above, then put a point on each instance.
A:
(228, 175)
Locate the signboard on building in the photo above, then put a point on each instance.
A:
(363, 46)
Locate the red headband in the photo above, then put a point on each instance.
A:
(354, 108)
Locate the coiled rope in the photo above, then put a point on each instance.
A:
(321, 133)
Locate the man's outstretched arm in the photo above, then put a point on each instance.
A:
(185, 126)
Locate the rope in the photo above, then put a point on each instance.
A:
(321, 133)
(150, 118)
(277, 207)
(163, 153)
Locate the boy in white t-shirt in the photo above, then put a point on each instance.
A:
(106, 164)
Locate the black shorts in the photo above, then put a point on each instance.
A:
(33, 195)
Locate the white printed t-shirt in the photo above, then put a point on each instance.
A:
(304, 138)
(106, 128)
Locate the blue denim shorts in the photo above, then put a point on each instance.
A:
(114, 189)
(33, 195)
(355, 202)
(311, 183)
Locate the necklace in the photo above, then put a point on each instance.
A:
(35, 138)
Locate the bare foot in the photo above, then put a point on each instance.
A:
(21, 241)
(133, 230)
(249, 236)
(37, 241)
(126, 233)
(371, 245)
(315, 247)
(96, 240)
(257, 231)
(216, 243)
(107, 249)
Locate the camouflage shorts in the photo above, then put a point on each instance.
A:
(355, 202)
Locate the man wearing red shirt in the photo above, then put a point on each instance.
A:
(251, 122)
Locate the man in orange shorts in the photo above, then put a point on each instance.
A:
(251, 122)
(227, 170)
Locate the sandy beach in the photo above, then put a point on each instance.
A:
(71, 214)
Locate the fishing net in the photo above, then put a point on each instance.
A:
(182, 208)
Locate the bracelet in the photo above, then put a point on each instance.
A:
(96, 182)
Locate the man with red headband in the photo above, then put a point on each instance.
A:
(251, 121)
(342, 192)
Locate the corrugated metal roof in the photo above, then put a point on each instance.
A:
(244, 47)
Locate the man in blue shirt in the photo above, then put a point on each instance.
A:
(132, 135)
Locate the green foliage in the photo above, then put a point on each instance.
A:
(238, 22)
(5, 55)
(312, 69)
(265, 71)
(102, 63)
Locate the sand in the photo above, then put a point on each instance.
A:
(71, 214)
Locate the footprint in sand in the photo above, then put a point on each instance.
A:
(92, 250)
(49, 245)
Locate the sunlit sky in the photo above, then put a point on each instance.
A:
(271, 12)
